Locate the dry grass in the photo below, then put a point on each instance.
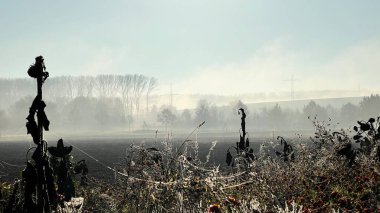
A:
(319, 179)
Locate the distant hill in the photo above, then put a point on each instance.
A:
(300, 104)
(260, 100)
(227, 102)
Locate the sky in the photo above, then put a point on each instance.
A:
(220, 47)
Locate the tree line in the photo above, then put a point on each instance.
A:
(66, 93)
(122, 102)
(129, 88)
(271, 118)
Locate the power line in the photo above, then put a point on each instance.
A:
(292, 92)
(171, 95)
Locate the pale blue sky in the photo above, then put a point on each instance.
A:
(186, 41)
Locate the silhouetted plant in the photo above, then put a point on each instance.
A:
(345, 148)
(287, 153)
(339, 141)
(62, 169)
(39, 177)
(368, 136)
(243, 152)
(81, 168)
(38, 185)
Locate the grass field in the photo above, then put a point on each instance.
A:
(328, 172)
(111, 150)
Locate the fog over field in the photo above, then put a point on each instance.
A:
(135, 59)
(123, 104)
(139, 66)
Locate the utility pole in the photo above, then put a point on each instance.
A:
(171, 108)
(292, 95)
(171, 95)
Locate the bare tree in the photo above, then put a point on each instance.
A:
(125, 85)
(88, 85)
(166, 116)
(139, 84)
(106, 85)
(68, 83)
(151, 86)
(81, 86)
(60, 88)
(13, 89)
